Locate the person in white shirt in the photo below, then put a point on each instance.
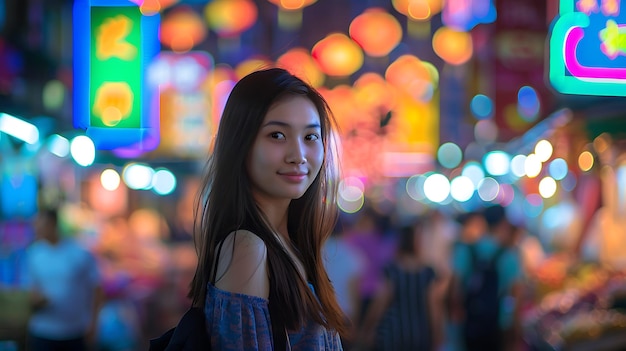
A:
(64, 282)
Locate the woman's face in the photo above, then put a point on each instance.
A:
(288, 151)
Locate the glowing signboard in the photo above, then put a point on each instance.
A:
(588, 48)
(113, 44)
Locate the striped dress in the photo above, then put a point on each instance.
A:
(406, 323)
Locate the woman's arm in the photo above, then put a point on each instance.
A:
(374, 313)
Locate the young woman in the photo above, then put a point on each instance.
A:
(266, 207)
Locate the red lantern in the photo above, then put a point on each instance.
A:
(338, 55)
(419, 10)
(229, 18)
(292, 5)
(299, 62)
(376, 31)
(182, 29)
(454, 47)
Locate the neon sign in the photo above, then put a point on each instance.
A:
(113, 45)
(588, 48)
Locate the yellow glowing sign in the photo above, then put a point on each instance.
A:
(113, 103)
(111, 39)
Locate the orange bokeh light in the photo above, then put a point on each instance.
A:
(300, 62)
(454, 47)
(182, 29)
(373, 92)
(252, 64)
(376, 31)
(292, 5)
(229, 18)
(420, 10)
(338, 55)
(412, 76)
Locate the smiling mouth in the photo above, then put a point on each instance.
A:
(293, 177)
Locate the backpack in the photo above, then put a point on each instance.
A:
(482, 298)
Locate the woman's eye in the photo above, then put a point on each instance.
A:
(277, 135)
(312, 137)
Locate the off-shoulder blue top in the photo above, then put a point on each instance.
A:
(242, 322)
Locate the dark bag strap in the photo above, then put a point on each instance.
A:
(279, 333)
(189, 334)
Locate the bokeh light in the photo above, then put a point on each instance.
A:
(585, 161)
(376, 31)
(558, 168)
(543, 150)
(547, 187)
(83, 150)
(449, 155)
(228, 18)
(481, 106)
(338, 55)
(461, 188)
(110, 179)
(532, 166)
(528, 104)
(436, 187)
(497, 163)
(454, 47)
(488, 189)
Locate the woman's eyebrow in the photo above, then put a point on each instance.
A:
(287, 125)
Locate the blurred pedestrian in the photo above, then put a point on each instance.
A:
(486, 283)
(406, 313)
(66, 294)
(345, 266)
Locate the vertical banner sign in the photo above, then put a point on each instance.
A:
(518, 65)
(113, 45)
(588, 48)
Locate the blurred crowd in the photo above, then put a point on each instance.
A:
(400, 281)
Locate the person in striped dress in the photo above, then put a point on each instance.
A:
(406, 312)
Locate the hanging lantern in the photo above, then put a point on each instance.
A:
(374, 93)
(290, 12)
(229, 18)
(338, 55)
(418, 10)
(413, 76)
(299, 62)
(454, 47)
(250, 65)
(182, 29)
(418, 13)
(376, 31)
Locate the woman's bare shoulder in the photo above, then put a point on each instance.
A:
(242, 265)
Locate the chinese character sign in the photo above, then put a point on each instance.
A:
(113, 44)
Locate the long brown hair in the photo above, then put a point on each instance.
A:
(226, 204)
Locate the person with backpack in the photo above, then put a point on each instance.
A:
(486, 283)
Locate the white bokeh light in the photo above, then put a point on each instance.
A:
(518, 167)
(138, 176)
(488, 189)
(461, 188)
(473, 171)
(163, 181)
(547, 187)
(497, 163)
(110, 179)
(83, 150)
(543, 150)
(532, 166)
(436, 187)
